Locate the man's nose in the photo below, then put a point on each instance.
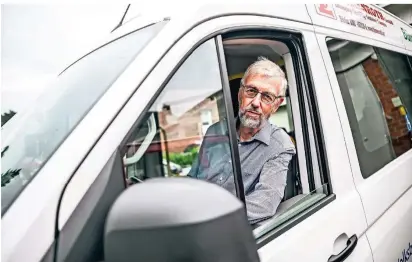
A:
(256, 101)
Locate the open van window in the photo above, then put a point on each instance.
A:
(304, 186)
(34, 135)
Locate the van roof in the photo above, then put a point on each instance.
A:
(361, 19)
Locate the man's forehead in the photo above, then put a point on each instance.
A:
(264, 81)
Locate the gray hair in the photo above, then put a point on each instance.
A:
(265, 67)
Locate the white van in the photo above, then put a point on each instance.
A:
(145, 95)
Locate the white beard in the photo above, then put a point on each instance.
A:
(249, 122)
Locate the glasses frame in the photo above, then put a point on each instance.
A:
(244, 87)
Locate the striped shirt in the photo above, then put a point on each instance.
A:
(264, 162)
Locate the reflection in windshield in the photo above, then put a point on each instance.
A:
(10, 174)
(33, 136)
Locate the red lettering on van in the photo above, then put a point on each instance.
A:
(326, 10)
(372, 12)
(365, 8)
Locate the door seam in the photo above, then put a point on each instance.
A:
(344, 139)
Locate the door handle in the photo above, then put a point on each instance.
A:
(350, 246)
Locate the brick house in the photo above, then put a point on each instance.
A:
(189, 128)
(387, 94)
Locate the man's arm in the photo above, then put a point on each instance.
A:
(263, 201)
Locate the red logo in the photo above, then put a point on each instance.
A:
(326, 10)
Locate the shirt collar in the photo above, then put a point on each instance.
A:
(263, 135)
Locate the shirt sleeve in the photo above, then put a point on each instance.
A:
(263, 201)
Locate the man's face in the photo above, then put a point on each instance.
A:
(253, 110)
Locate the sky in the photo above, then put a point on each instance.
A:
(39, 41)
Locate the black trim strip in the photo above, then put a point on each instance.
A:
(271, 235)
(240, 191)
(304, 111)
(316, 120)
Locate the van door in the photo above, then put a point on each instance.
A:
(325, 220)
(371, 82)
(329, 218)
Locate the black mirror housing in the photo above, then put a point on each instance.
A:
(178, 219)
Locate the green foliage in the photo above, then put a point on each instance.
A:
(9, 174)
(194, 150)
(183, 159)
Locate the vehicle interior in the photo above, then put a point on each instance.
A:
(299, 194)
(239, 54)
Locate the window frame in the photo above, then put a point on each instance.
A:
(375, 47)
(227, 98)
(308, 111)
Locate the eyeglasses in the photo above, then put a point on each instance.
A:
(266, 97)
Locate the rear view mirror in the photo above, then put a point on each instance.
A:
(178, 219)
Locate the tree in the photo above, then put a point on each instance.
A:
(7, 116)
(11, 173)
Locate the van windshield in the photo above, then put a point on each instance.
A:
(31, 137)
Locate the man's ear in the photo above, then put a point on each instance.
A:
(277, 104)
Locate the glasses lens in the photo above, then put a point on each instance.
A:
(267, 98)
(251, 92)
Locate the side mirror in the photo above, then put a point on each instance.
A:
(178, 219)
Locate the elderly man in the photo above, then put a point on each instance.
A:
(265, 150)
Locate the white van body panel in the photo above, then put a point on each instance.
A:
(378, 208)
(390, 236)
(315, 235)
